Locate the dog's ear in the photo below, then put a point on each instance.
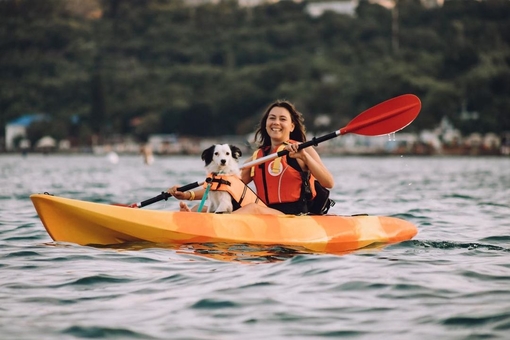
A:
(236, 152)
(207, 155)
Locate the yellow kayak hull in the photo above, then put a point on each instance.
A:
(88, 223)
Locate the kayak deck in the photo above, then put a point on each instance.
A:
(88, 223)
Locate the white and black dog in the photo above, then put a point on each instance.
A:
(221, 159)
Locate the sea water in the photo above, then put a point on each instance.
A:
(452, 281)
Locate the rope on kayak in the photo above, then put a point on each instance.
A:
(204, 197)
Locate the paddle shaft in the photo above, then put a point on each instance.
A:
(314, 141)
(163, 196)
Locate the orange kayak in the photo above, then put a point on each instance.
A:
(88, 223)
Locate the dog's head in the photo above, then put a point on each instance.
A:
(221, 157)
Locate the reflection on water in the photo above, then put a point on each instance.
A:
(242, 253)
(245, 253)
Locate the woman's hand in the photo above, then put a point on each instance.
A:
(179, 194)
(294, 151)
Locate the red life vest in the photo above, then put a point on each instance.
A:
(278, 181)
(241, 194)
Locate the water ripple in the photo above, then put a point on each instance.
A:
(103, 333)
(450, 282)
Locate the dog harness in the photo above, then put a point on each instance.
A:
(282, 184)
(241, 194)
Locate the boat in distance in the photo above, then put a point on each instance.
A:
(89, 223)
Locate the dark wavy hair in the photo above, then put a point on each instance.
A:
(299, 133)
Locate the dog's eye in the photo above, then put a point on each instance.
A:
(216, 153)
(228, 153)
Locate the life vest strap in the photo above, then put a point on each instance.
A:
(277, 163)
(218, 180)
(241, 194)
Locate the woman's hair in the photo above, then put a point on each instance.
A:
(299, 133)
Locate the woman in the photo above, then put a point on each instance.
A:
(283, 183)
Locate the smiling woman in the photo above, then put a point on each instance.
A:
(287, 184)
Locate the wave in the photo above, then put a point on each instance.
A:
(454, 245)
(103, 332)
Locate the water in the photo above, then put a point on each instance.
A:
(450, 282)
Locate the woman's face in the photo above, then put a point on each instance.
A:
(279, 124)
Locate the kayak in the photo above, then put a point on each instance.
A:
(89, 223)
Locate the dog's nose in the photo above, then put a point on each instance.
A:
(223, 161)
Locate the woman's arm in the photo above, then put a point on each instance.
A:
(310, 160)
(186, 195)
(246, 174)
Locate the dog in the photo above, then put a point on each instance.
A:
(221, 159)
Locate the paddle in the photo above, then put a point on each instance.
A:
(163, 196)
(387, 117)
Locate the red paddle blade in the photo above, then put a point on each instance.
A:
(387, 117)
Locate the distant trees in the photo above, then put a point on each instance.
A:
(158, 66)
